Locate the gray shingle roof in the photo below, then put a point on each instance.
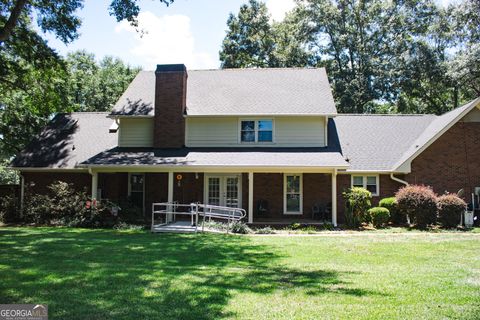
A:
(226, 157)
(68, 140)
(369, 142)
(376, 142)
(435, 127)
(239, 92)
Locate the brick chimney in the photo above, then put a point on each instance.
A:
(170, 102)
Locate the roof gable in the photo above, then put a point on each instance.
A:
(436, 128)
(270, 91)
(67, 140)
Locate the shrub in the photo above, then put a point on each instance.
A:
(357, 202)
(63, 205)
(240, 227)
(9, 209)
(450, 209)
(419, 203)
(265, 230)
(295, 226)
(379, 216)
(391, 204)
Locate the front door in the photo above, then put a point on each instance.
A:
(223, 190)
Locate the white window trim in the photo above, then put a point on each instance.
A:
(364, 177)
(130, 186)
(256, 131)
(285, 212)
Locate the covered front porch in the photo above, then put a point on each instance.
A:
(270, 197)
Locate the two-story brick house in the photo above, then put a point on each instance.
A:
(246, 137)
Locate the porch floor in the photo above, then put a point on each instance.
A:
(288, 221)
(174, 227)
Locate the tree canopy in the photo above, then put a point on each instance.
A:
(381, 56)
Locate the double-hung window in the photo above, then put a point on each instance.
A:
(292, 198)
(136, 189)
(256, 131)
(368, 182)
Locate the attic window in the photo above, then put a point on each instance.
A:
(256, 131)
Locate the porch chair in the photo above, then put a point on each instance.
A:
(262, 207)
(318, 210)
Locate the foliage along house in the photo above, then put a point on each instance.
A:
(246, 137)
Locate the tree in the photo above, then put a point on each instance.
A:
(58, 16)
(249, 41)
(464, 67)
(252, 41)
(368, 46)
(96, 86)
(77, 84)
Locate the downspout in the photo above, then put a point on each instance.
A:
(397, 179)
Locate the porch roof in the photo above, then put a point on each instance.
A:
(219, 157)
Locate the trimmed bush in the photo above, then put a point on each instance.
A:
(357, 202)
(391, 204)
(419, 203)
(379, 216)
(450, 209)
(240, 227)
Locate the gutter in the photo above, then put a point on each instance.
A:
(397, 179)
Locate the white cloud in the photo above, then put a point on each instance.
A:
(167, 39)
(278, 8)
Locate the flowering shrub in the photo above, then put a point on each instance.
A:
(450, 209)
(419, 203)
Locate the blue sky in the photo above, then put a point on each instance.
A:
(188, 31)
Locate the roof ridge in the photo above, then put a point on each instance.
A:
(251, 69)
(388, 114)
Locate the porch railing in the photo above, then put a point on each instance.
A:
(169, 211)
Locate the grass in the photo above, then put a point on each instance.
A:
(100, 274)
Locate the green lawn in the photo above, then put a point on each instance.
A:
(99, 274)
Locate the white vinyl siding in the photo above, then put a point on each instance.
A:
(211, 132)
(135, 132)
(225, 132)
(300, 132)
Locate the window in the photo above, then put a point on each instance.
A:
(368, 182)
(293, 194)
(256, 131)
(136, 188)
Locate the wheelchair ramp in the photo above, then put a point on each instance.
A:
(174, 227)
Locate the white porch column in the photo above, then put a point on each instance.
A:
(94, 184)
(334, 197)
(170, 195)
(250, 197)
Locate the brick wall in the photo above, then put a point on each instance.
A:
(451, 162)
(156, 190)
(170, 101)
(80, 180)
(114, 185)
(388, 187)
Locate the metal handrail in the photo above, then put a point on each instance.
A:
(170, 209)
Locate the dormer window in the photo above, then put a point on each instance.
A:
(256, 131)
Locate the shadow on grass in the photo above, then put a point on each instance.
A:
(100, 274)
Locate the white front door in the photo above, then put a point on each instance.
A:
(223, 190)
